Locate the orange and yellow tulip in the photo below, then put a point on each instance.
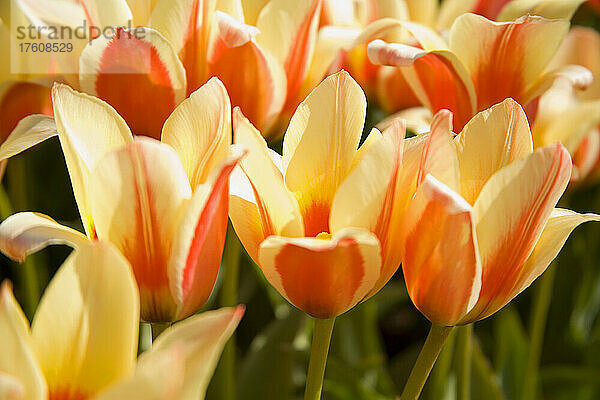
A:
(82, 344)
(573, 117)
(318, 220)
(164, 205)
(482, 225)
(483, 63)
(185, 42)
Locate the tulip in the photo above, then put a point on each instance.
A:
(182, 44)
(318, 219)
(82, 343)
(573, 117)
(482, 225)
(489, 189)
(163, 204)
(483, 63)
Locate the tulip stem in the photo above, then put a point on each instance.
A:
(429, 353)
(463, 360)
(158, 328)
(539, 314)
(318, 358)
(145, 338)
(226, 371)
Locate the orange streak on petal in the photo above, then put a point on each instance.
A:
(134, 80)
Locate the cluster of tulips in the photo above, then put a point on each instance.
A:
(165, 137)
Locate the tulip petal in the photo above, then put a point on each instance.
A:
(142, 59)
(440, 157)
(201, 339)
(260, 91)
(510, 214)
(137, 193)
(11, 388)
(441, 263)
(107, 12)
(163, 379)
(20, 99)
(319, 146)
(438, 78)
(560, 225)
(493, 139)
(244, 213)
(26, 232)
(505, 59)
(322, 277)
(87, 128)
(199, 240)
(31, 130)
(200, 131)
(85, 330)
(187, 25)
(288, 29)
(17, 358)
(279, 210)
(551, 9)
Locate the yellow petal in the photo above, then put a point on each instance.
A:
(87, 128)
(26, 232)
(201, 339)
(561, 117)
(324, 277)
(30, 131)
(141, 10)
(493, 139)
(200, 131)
(441, 264)
(560, 225)
(199, 240)
(505, 59)
(450, 10)
(187, 25)
(581, 47)
(161, 380)
(17, 358)
(551, 9)
(423, 11)
(85, 330)
(11, 388)
(288, 29)
(510, 214)
(137, 193)
(244, 213)
(234, 8)
(279, 211)
(319, 146)
(107, 12)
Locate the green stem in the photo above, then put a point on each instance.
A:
(490, 380)
(158, 328)
(438, 380)
(463, 360)
(539, 315)
(145, 338)
(429, 353)
(6, 208)
(318, 358)
(226, 372)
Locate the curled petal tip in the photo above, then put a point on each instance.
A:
(392, 54)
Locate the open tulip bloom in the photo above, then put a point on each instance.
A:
(482, 225)
(164, 205)
(82, 344)
(321, 220)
